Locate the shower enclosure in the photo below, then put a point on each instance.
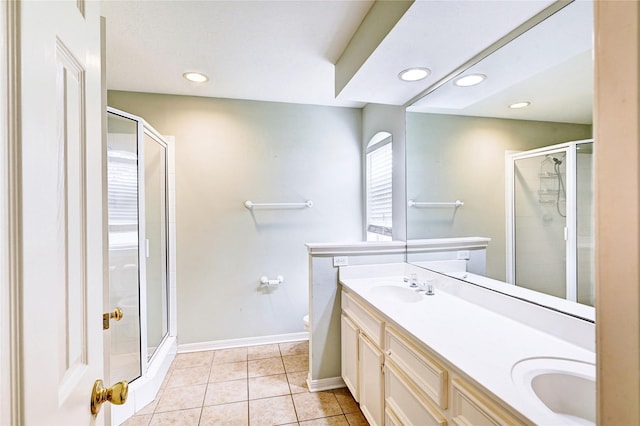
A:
(550, 228)
(141, 258)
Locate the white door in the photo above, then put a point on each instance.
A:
(62, 210)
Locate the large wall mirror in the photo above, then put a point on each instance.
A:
(516, 150)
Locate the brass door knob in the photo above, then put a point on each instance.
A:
(116, 394)
(116, 314)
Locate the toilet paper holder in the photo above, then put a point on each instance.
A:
(267, 282)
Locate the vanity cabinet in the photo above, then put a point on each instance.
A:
(470, 406)
(399, 381)
(370, 364)
(349, 355)
(362, 358)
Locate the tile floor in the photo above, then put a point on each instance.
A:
(255, 385)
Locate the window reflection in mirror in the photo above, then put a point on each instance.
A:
(460, 139)
(379, 187)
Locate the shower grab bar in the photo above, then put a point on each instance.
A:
(413, 203)
(251, 205)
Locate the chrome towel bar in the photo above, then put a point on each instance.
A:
(251, 205)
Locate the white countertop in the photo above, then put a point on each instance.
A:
(482, 344)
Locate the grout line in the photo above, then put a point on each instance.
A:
(294, 407)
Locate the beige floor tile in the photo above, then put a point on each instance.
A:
(236, 414)
(294, 348)
(296, 363)
(182, 398)
(268, 386)
(356, 419)
(346, 401)
(316, 405)
(188, 376)
(298, 381)
(230, 355)
(272, 411)
(193, 359)
(226, 392)
(263, 351)
(265, 367)
(177, 418)
(228, 371)
(163, 385)
(327, 421)
(149, 408)
(138, 420)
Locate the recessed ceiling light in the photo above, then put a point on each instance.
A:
(195, 77)
(414, 74)
(470, 80)
(519, 105)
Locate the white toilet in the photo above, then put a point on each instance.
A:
(305, 319)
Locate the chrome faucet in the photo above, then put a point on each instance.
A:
(427, 288)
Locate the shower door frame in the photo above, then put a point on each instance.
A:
(144, 389)
(571, 238)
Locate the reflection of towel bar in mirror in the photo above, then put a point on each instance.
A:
(413, 203)
(251, 205)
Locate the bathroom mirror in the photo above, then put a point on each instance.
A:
(521, 177)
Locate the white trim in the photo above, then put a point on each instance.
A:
(571, 213)
(171, 219)
(385, 138)
(142, 245)
(325, 384)
(11, 408)
(145, 389)
(361, 247)
(245, 341)
(440, 244)
(509, 201)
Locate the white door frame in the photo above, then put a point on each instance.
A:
(10, 213)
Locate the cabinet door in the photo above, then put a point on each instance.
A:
(371, 381)
(349, 340)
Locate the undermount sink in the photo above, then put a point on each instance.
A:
(564, 386)
(396, 293)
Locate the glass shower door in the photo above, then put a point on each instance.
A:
(124, 268)
(155, 184)
(540, 222)
(585, 224)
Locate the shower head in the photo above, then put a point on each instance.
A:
(556, 160)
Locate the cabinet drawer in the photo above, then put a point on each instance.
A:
(390, 418)
(405, 404)
(425, 372)
(470, 407)
(369, 324)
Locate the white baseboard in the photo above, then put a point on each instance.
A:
(325, 384)
(247, 341)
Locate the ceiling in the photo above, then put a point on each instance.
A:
(280, 51)
(285, 51)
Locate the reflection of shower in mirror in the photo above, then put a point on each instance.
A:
(552, 189)
(550, 229)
